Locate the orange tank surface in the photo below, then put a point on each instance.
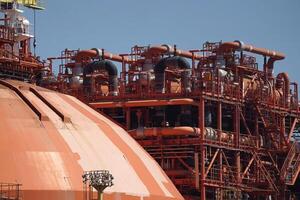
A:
(48, 140)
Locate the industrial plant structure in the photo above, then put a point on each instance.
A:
(219, 124)
(54, 147)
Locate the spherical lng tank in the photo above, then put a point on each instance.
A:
(48, 140)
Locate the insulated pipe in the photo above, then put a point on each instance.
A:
(98, 53)
(286, 90)
(167, 49)
(168, 131)
(176, 61)
(107, 65)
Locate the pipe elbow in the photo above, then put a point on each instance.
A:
(169, 48)
(241, 45)
(99, 52)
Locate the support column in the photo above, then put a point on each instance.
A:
(219, 120)
(201, 116)
(197, 178)
(127, 118)
(237, 120)
(221, 173)
(282, 130)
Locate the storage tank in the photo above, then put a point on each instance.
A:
(48, 140)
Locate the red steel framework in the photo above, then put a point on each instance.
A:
(218, 124)
(220, 127)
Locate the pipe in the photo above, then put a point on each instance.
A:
(107, 65)
(167, 49)
(176, 61)
(209, 133)
(98, 53)
(286, 91)
(168, 131)
(143, 103)
(239, 45)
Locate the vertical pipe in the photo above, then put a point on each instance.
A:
(219, 120)
(202, 149)
(123, 77)
(193, 64)
(265, 67)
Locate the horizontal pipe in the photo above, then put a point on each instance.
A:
(163, 49)
(113, 104)
(237, 45)
(167, 131)
(96, 53)
(209, 133)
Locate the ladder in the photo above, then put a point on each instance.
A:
(291, 166)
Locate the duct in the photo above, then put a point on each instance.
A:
(107, 65)
(286, 90)
(176, 61)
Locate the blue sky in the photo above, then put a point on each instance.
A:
(117, 25)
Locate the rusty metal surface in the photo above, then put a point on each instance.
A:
(49, 156)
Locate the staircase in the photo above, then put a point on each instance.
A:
(270, 178)
(291, 167)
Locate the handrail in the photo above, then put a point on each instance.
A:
(266, 173)
(288, 161)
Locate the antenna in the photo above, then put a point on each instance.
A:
(34, 32)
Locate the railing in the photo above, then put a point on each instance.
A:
(288, 160)
(10, 191)
(267, 175)
(6, 33)
(293, 168)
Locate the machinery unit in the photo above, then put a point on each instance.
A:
(221, 125)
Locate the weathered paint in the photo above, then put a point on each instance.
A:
(48, 157)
